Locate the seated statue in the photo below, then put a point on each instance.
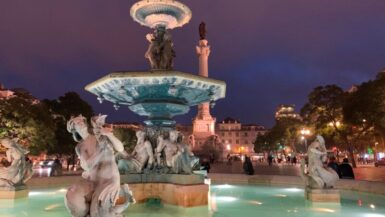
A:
(318, 175)
(97, 193)
(178, 157)
(141, 157)
(19, 171)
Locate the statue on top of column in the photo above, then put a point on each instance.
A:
(202, 30)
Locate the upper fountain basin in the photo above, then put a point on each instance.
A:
(167, 13)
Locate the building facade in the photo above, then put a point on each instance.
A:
(238, 138)
(286, 111)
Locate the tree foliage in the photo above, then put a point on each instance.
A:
(61, 110)
(127, 136)
(23, 117)
(283, 133)
(325, 110)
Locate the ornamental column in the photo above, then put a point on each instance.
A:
(204, 123)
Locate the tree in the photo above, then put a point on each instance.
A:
(324, 111)
(284, 132)
(127, 136)
(25, 118)
(62, 109)
(366, 106)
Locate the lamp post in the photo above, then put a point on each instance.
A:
(304, 134)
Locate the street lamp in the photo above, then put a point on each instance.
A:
(304, 133)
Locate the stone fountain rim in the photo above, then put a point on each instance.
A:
(144, 74)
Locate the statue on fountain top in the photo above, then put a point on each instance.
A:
(318, 175)
(202, 31)
(160, 52)
(20, 170)
(97, 193)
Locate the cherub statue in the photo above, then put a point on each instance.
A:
(97, 193)
(318, 176)
(141, 157)
(20, 170)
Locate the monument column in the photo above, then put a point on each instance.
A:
(204, 123)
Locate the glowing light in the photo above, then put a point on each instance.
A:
(324, 210)
(51, 207)
(207, 181)
(225, 186)
(37, 193)
(228, 147)
(62, 190)
(373, 215)
(254, 202)
(372, 206)
(226, 198)
(293, 189)
(280, 195)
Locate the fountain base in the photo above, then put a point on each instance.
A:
(323, 195)
(18, 192)
(173, 189)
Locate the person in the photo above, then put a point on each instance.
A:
(333, 164)
(56, 168)
(346, 170)
(248, 166)
(206, 165)
(229, 159)
(270, 159)
(294, 161)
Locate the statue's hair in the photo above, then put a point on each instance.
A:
(71, 126)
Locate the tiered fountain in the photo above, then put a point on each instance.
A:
(163, 169)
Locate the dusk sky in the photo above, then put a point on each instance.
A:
(269, 52)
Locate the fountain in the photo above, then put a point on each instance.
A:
(161, 166)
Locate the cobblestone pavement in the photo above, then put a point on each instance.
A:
(363, 172)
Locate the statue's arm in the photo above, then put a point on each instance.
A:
(116, 143)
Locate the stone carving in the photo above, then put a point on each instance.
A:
(141, 156)
(318, 175)
(202, 30)
(169, 156)
(19, 171)
(160, 52)
(97, 193)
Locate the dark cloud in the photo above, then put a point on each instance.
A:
(268, 52)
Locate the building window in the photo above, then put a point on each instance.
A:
(246, 142)
(237, 134)
(230, 141)
(229, 133)
(245, 134)
(237, 141)
(222, 134)
(223, 141)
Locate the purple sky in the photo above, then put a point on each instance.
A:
(268, 51)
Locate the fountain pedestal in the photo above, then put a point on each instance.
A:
(18, 192)
(322, 195)
(174, 189)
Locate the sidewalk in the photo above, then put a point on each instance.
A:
(362, 172)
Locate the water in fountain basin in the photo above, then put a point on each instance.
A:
(226, 201)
